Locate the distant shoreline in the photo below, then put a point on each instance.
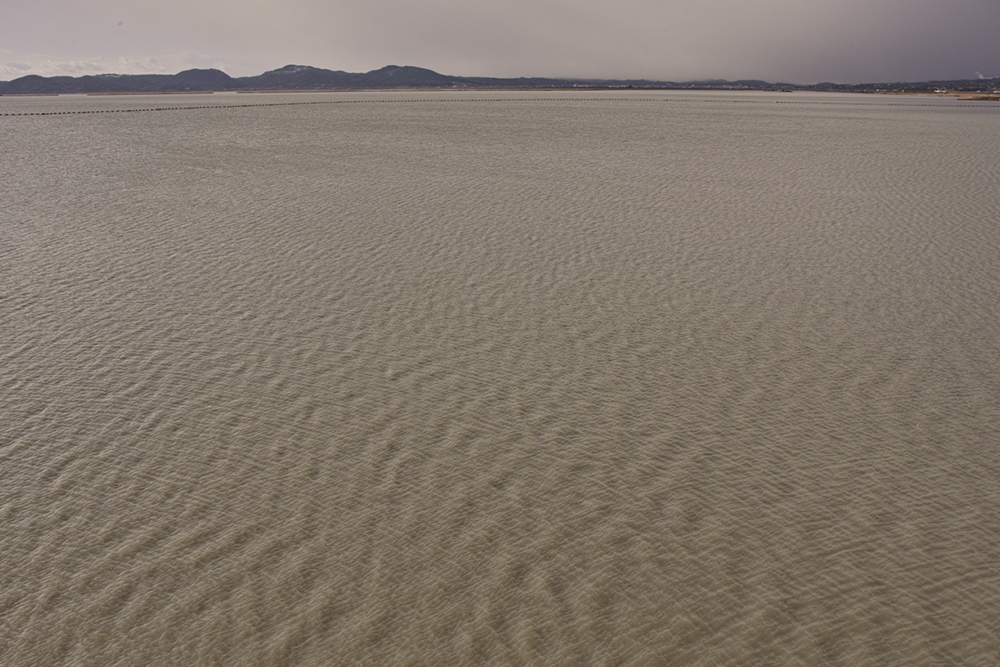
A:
(300, 78)
(968, 96)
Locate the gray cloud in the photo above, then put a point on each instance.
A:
(788, 40)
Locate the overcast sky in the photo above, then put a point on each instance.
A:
(796, 41)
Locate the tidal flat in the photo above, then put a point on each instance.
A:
(499, 378)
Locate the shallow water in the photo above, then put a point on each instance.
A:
(551, 378)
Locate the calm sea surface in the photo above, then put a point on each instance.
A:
(446, 378)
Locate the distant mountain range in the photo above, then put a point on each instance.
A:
(299, 77)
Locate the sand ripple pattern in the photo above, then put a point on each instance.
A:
(542, 382)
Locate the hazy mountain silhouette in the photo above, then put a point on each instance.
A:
(302, 77)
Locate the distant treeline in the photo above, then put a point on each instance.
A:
(298, 77)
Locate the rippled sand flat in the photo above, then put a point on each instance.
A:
(500, 378)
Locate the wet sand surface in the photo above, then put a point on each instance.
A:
(623, 378)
